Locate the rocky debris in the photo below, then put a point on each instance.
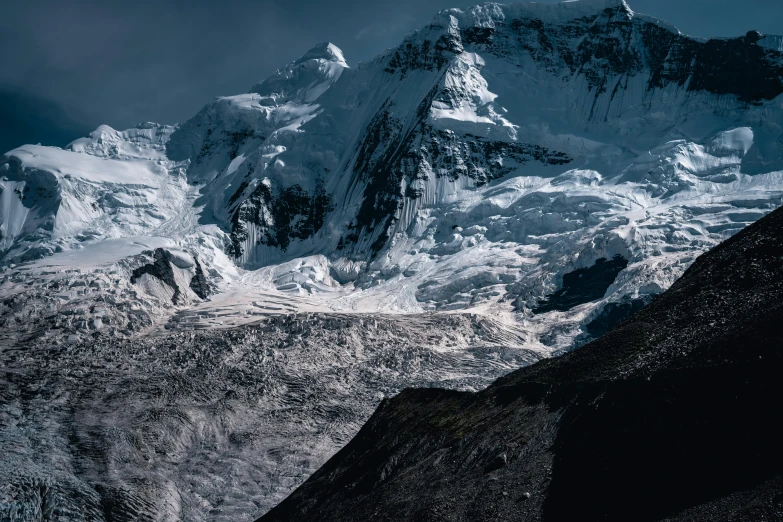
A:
(56, 305)
(219, 424)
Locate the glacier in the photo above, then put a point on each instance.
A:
(465, 180)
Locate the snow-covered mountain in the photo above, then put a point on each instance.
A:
(551, 167)
(472, 167)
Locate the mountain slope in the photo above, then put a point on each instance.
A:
(504, 185)
(669, 416)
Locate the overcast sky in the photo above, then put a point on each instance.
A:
(67, 67)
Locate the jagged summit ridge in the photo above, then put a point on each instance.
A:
(324, 51)
(305, 79)
(490, 13)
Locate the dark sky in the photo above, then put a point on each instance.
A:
(67, 67)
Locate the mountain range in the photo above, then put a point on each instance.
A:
(194, 318)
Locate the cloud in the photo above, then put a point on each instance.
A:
(29, 119)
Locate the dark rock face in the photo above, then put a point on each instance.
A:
(605, 49)
(389, 154)
(228, 141)
(291, 213)
(161, 269)
(669, 416)
(584, 285)
(425, 55)
(199, 284)
(736, 66)
(480, 159)
(250, 211)
(613, 44)
(380, 151)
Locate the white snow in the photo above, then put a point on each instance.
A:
(657, 176)
(646, 181)
(235, 163)
(105, 252)
(112, 185)
(67, 164)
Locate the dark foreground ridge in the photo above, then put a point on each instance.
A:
(673, 415)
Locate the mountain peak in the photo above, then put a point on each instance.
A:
(324, 51)
(306, 78)
(488, 13)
